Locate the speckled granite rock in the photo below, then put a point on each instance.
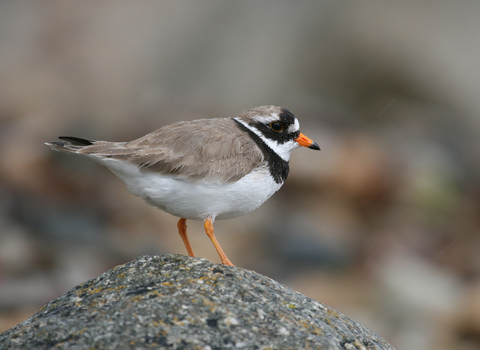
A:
(177, 302)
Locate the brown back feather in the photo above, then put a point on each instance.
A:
(213, 148)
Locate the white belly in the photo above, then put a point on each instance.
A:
(197, 200)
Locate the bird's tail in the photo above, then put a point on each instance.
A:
(69, 144)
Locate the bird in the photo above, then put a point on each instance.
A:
(206, 169)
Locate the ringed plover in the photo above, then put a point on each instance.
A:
(203, 169)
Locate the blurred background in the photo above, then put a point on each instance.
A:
(383, 224)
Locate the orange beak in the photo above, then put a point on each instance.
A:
(304, 141)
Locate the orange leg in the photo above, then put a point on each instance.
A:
(182, 229)
(209, 230)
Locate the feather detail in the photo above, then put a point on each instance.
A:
(213, 149)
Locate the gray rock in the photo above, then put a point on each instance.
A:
(178, 302)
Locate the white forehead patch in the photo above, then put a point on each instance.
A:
(294, 127)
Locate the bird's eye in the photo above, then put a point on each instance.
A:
(277, 126)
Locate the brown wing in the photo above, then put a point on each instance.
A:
(209, 148)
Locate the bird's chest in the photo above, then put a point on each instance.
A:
(201, 199)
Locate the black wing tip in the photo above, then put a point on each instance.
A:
(77, 141)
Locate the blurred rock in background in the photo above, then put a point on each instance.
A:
(383, 224)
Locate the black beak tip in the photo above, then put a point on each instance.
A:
(314, 146)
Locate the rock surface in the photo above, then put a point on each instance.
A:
(178, 302)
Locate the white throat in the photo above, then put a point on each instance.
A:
(283, 150)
